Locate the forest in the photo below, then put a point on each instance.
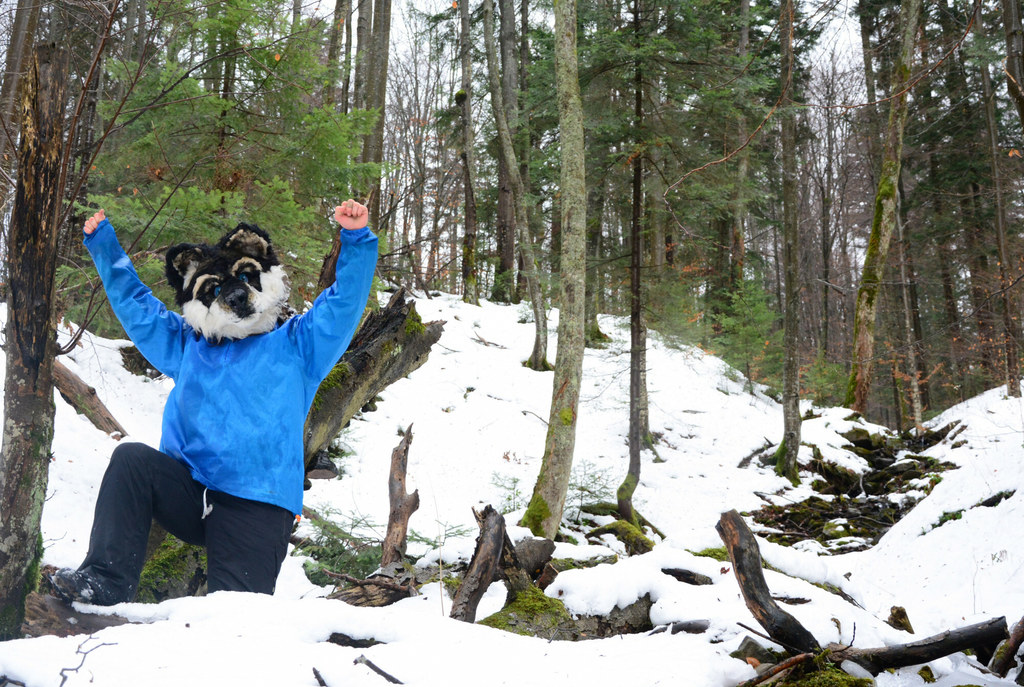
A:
(827, 196)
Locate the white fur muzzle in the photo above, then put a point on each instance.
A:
(219, 322)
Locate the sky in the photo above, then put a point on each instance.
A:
(478, 421)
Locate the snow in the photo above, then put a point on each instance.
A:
(478, 419)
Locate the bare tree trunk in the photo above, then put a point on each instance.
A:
(1010, 328)
(884, 221)
(1014, 54)
(786, 457)
(544, 514)
(376, 95)
(342, 10)
(362, 48)
(29, 331)
(637, 329)
(908, 322)
(19, 51)
(464, 99)
(538, 358)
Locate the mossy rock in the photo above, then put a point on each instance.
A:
(629, 534)
(175, 570)
(534, 614)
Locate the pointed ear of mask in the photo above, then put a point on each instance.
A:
(250, 240)
(182, 262)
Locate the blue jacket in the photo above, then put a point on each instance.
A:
(237, 411)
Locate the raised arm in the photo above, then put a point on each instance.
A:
(325, 330)
(157, 332)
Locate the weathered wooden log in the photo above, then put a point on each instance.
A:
(403, 504)
(483, 567)
(986, 634)
(84, 400)
(1006, 652)
(391, 343)
(782, 627)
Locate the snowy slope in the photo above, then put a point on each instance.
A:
(478, 421)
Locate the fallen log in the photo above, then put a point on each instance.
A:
(389, 344)
(84, 400)
(745, 555)
(980, 635)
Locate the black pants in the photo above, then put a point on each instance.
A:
(246, 541)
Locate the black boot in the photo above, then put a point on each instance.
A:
(74, 585)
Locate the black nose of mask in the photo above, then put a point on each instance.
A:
(236, 297)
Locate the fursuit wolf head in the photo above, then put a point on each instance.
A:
(232, 290)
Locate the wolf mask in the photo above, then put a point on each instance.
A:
(232, 290)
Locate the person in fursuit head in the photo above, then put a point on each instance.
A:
(229, 471)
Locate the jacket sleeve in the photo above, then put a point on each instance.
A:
(323, 332)
(158, 333)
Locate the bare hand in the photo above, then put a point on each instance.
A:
(94, 221)
(351, 215)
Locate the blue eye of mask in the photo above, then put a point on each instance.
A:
(216, 291)
(243, 278)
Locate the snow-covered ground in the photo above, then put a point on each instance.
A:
(478, 421)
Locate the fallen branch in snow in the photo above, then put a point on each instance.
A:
(782, 627)
(370, 664)
(84, 400)
(1002, 659)
(776, 669)
(786, 630)
(983, 635)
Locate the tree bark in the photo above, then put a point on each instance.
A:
(342, 11)
(1014, 28)
(1006, 653)
(884, 220)
(782, 627)
(403, 504)
(538, 358)
(483, 567)
(30, 332)
(544, 514)
(786, 458)
(19, 52)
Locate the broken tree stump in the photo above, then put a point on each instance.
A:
(483, 567)
(985, 635)
(782, 627)
(84, 400)
(389, 344)
(403, 504)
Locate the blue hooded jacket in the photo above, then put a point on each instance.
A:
(236, 414)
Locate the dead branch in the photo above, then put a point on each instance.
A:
(370, 664)
(980, 635)
(782, 627)
(84, 400)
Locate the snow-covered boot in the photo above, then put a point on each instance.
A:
(75, 585)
